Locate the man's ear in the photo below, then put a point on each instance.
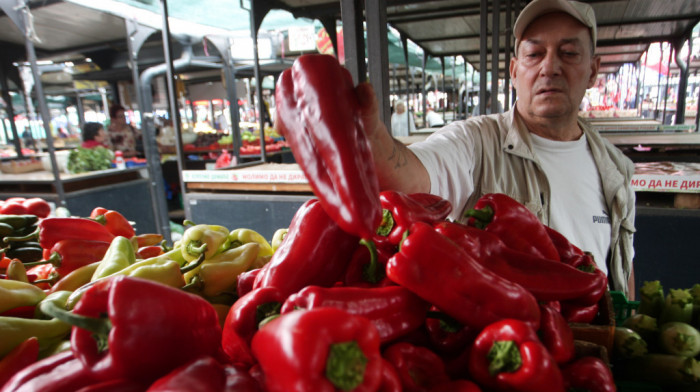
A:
(512, 68)
(595, 66)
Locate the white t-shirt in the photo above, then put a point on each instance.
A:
(577, 208)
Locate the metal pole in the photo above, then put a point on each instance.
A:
(10, 112)
(81, 110)
(258, 80)
(668, 77)
(508, 38)
(483, 44)
(495, 45)
(354, 39)
(378, 56)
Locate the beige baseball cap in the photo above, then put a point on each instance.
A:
(581, 11)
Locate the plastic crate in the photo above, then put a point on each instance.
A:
(623, 308)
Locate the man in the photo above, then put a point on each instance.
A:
(433, 119)
(539, 152)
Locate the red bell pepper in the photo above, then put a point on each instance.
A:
(588, 374)
(205, 374)
(243, 321)
(419, 368)
(37, 206)
(574, 313)
(318, 114)
(447, 335)
(566, 250)
(507, 355)
(457, 386)
(513, 223)
(547, 280)
(321, 350)
(390, 378)
(556, 334)
(61, 372)
(114, 221)
(442, 273)
(246, 280)
(367, 268)
(315, 251)
(394, 310)
(146, 252)
(180, 327)
(71, 254)
(20, 357)
(118, 385)
(407, 209)
(51, 230)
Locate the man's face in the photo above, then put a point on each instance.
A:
(554, 67)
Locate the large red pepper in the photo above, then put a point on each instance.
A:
(419, 368)
(147, 328)
(114, 221)
(394, 310)
(556, 334)
(318, 114)
(441, 272)
(61, 372)
(513, 223)
(20, 357)
(71, 254)
(205, 374)
(457, 386)
(407, 209)
(588, 374)
(321, 350)
(243, 320)
(507, 355)
(315, 251)
(574, 313)
(547, 280)
(246, 280)
(52, 230)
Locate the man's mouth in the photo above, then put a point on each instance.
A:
(548, 90)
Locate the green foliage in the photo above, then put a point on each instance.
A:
(81, 160)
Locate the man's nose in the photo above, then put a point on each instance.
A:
(551, 64)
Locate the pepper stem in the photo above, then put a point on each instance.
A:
(447, 323)
(188, 222)
(370, 271)
(31, 236)
(504, 356)
(99, 326)
(387, 223)
(196, 248)
(482, 216)
(345, 366)
(189, 267)
(54, 259)
(101, 219)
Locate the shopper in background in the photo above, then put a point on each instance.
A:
(540, 152)
(402, 120)
(499, 108)
(122, 135)
(433, 119)
(94, 135)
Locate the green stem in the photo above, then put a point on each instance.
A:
(504, 356)
(100, 326)
(345, 366)
(188, 222)
(191, 266)
(370, 272)
(54, 259)
(447, 323)
(482, 216)
(196, 248)
(100, 219)
(31, 236)
(387, 223)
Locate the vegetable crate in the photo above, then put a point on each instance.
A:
(602, 330)
(623, 308)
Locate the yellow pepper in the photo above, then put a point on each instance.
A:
(120, 255)
(220, 273)
(195, 237)
(16, 271)
(15, 293)
(244, 236)
(277, 238)
(76, 278)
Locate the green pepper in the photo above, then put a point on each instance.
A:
(220, 273)
(216, 239)
(119, 255)
(15, 330)
(15, 293)
(245, 236)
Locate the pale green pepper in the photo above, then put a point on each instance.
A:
(220, 273)
(120, 255)
(277, 238)
(15, 293)
(242, 236)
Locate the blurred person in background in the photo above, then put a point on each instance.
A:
(402, 123)
(94, 135)
(122, 135)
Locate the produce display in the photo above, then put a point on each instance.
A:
(659, 343)
(82, 160)
(364, 291)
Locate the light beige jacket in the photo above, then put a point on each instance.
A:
(505, 163)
